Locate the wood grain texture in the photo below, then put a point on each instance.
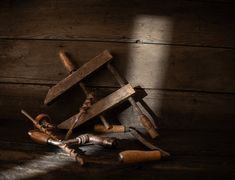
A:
(181, 53)
(186, 143)
(194, 153)
(74, 78)
(169, 109)
(148, 66)
(181, 22)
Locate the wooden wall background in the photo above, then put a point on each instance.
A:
(181, 53)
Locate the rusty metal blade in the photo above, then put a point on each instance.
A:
(100, 106)
(77, 76)
(141, 139)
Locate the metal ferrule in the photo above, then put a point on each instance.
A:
(54, 142)
(103, 141)
(89, 138)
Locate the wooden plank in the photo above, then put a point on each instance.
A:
(101, 106)
(193, 153)
(179, 143)
(64, 169)
(148, 66)
(74, 78)
(174, 109)
(186, 110)
(13, 98)
(182, 22)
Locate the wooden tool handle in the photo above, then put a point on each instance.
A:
(67, 62)
(113, 128)
(137, 156)
(39, 137)
(148, 126)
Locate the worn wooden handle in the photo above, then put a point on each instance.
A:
(39, 137)
(67, 62)
(113, 128)
(148, 126)
(137, 156)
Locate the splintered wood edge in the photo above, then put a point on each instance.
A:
(102, 105)
(74, 78)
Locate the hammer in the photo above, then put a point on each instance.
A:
(70, 67)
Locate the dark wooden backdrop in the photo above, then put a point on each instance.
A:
(181, 54)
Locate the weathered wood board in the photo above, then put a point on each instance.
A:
(181, 53)
(191, 156)
(175, 110)
(145, 65)
(182, 22)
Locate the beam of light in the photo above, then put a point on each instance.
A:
(35, 167)
(150, 72)
(148, 59)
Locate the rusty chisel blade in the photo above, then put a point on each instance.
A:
(141, 139)
(77, 76)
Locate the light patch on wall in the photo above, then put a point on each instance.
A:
(152, 29)
(148, 59)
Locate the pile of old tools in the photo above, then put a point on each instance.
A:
(90, 109)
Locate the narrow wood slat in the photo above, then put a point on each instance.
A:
(217, 143)
(174, 109)
(74, 78)
(148, 66)
(183, 22)
(196, 154)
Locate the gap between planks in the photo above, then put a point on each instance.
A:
(125, 41)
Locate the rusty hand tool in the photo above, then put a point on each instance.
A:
(86, 105)
(141, 139)
(143, 118)
(38, 125)
(83, 139)
(137, 156)
(45, 121)
(43, 138)
(134, 132)
(75, 77)
(68, 64)
(100, 106)
(89, 138)
(53, 137)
